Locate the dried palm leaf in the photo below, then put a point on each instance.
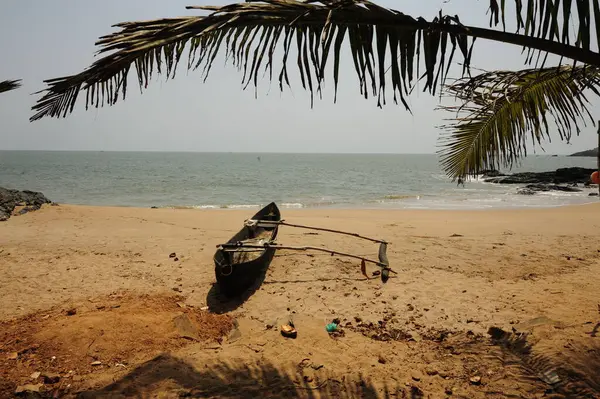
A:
(552, 20)
(8, 85)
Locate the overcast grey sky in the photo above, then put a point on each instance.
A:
(46, 39)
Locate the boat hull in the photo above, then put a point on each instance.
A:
(234, 272)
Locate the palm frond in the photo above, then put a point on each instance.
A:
(7, 85)
(556, 20)
(251, 32)
(501, 109)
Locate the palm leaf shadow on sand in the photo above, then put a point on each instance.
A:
(170, 375)
(573, 374)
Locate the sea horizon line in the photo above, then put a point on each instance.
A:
(248, 152)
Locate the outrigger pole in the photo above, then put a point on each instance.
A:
(268, 223)
(383, 262)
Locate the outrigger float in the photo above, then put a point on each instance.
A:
(241, 260)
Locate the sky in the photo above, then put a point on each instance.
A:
(42, 40)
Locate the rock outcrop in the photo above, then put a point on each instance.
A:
(10, 199)
(559, 176)
(587, 153)
(563, 179)
(531, 189)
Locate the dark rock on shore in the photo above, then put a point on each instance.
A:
(531, 189)
(9, 199)
(559, 176)
(491, 173)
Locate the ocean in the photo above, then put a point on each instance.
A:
(251, 180)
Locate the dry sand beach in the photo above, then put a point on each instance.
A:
(92, 302)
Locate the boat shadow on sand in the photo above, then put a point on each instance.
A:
(219, 303)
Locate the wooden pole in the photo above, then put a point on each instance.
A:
(283, 223)
(276, 246)
(598, 157)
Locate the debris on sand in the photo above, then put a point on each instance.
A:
(185, 328)
(24, 390)
(379, 331)
(416, 376)
(475, 380)
(288, 330)
(50, 378)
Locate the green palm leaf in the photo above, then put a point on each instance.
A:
(7, 85)
(502, 109)
(251, 32)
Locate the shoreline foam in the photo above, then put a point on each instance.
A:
(403, 202)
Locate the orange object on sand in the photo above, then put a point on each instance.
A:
(595, 178)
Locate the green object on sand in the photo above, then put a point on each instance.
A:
(331, 327)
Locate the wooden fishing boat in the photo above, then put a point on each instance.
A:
(246, 256)
(236, 266)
